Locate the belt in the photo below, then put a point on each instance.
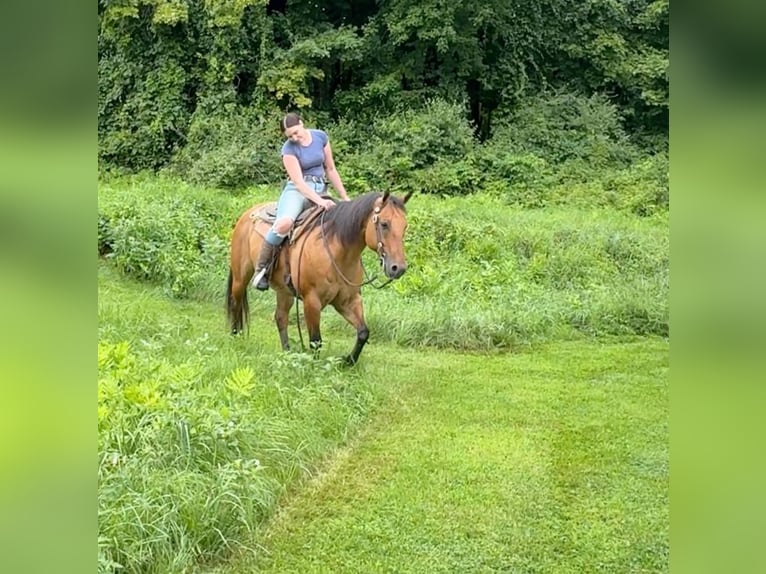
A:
(314, 178)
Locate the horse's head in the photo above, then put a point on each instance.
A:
(385, 233)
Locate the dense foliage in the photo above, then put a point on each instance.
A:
(197, 86)
(483, 274)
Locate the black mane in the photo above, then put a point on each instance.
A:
(346, 220)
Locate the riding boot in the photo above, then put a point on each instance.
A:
(265, 261)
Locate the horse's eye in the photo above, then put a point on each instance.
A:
(384, 225)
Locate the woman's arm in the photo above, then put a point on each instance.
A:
(295, 173)
(332, 173)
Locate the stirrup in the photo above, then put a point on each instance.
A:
(263, 283)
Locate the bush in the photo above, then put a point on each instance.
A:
(231, 149)
(429, 149)
(641, 188)
(556, 149)
(563, 126)
(141, 126)
(170, 236)
(571, 150)
(448, 177)
(522, 179)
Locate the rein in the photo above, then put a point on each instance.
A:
(380, 251)
(368, 281)
(298, 295)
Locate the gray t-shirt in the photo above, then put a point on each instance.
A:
(311, 157)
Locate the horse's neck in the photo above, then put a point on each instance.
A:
(349, 251)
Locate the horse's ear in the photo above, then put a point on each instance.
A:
(408, 196)
(384, 198)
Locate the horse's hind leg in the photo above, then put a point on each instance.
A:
(240, 273)
(353, 312)
(281, 317)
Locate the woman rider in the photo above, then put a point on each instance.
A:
(308, 160)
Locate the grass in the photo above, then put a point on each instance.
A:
(224, 454)
(509, 413)
(482, 274)
(549, 461)
(199, 433)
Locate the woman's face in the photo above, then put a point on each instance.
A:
(296, 133)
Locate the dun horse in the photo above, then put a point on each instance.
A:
(321, 264)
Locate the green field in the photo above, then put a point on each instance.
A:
(548, 461)
(509, 414)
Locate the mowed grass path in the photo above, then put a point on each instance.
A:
(555, 460)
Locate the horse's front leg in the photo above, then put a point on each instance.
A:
(353, 312)
(312, 310)
(281, 316)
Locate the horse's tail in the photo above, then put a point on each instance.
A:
(237, 307)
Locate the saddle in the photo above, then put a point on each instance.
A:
(268, 214)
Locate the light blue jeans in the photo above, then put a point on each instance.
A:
(291, 203)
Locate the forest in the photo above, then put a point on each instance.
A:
(509, 96)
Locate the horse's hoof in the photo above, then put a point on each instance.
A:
(349, 361)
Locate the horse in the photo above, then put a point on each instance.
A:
(320, 263)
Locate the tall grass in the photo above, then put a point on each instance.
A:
(198, 437)
(486, 275)
(482, 274)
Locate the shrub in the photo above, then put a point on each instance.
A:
(142, 114)
(641, 188)
(233, 148)
(448, 177)
(170, 236)
(522, 179)
(562, 126)
(429, 149)
(564, 148)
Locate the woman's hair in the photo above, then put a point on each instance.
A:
(290, 120)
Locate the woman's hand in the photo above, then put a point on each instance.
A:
(326, 203)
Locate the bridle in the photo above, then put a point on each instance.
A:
(380, 250)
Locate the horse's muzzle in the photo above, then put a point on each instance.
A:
(394, 270)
